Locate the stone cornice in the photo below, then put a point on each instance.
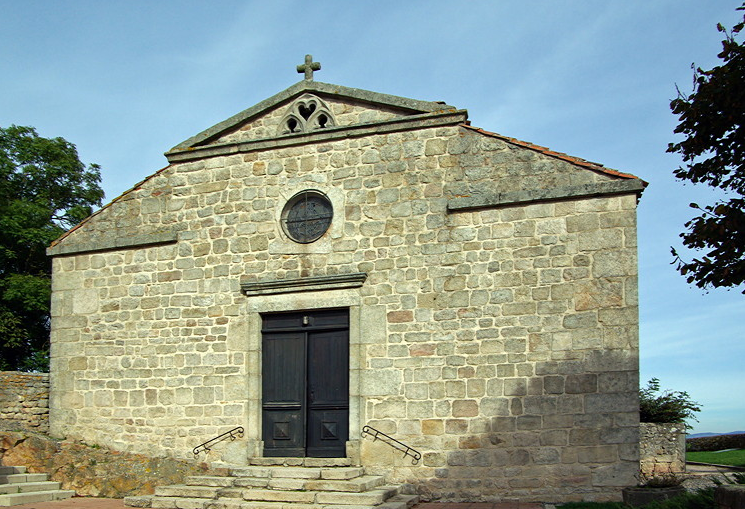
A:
(407, 123)
(304, 284)
(134, 241)
(488, 200)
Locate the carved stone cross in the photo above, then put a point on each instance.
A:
(308, 67)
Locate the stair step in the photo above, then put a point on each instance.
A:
(251, 482)
(185, 491)
(259, 495)
(179, 503)
(399, 502)
(19, 478)
(252, 471)
(27, 487)
(297, 472)
(238, 504)
(210, 480)
(372, 497)
(358, 485)
(12, 470)
(34, 497)
(342, 473)
(301, 462)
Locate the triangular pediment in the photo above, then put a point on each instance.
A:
(309, 111)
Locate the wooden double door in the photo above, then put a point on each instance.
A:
(305, 383)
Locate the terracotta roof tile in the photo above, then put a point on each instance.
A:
(559, 155)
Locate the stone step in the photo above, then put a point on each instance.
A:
(399, 502)
(19, 478)
(356, 485)
(12, 470)
(372, 497)
(178, 503)
(182, 497)
(280, 483)
(213, 480)
(26, 487)
(34, 497)
(186, 491)
(238, 504)
(301, 462)
(297, 472)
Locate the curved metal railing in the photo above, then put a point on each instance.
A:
(400, 446)
(232, 434)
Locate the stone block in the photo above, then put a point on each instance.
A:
(465, 408)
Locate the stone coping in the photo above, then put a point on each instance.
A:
(487, 200)
(145, 239)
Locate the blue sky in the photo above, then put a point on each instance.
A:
(126, 81)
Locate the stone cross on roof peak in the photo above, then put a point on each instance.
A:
(308, 67)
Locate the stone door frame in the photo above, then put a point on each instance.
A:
(307, 301)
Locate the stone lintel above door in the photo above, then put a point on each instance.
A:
(304, 284)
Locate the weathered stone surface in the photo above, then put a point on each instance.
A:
(93, 471)
(24, 400)
(662, 448)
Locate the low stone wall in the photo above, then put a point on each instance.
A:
(94, 471)
(24, 401)
(662, 448)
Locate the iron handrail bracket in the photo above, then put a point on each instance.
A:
(400, 446)
(232, 434)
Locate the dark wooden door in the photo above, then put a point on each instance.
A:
(305, 383)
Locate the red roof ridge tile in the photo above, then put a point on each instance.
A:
(559, 155)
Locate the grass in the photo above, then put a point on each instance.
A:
(735, 457)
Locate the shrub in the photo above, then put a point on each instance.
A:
(667, 406)
(716, 443)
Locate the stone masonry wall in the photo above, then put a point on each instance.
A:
(506, 348)
(662, 448)
(24, 401)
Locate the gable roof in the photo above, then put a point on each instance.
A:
(405, 105)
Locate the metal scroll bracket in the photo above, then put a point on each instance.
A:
(400, 446)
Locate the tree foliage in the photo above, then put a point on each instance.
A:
(668, 406)
(44, 191)
(712, 119)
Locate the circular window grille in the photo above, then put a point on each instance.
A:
(307, 216)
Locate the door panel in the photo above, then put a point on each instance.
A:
(328, 393)
(305, 383)
(328, 431)
(283, 384)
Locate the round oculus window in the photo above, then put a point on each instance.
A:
(307, 216)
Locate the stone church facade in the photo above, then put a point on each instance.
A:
(333, 258)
